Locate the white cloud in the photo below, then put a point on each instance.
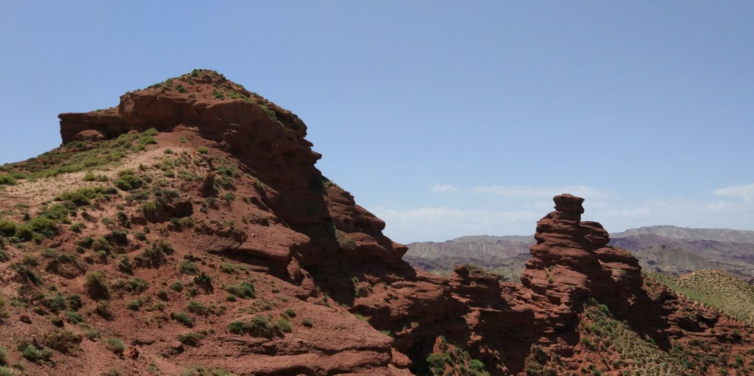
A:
(522, 191)
(746, 192)
(443, 188)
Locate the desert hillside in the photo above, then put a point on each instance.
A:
(188, 232)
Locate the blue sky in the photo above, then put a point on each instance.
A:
(444, 118)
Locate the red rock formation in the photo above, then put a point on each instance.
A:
(571, 260)
(310, 237)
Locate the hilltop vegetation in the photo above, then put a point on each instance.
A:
(716, 289)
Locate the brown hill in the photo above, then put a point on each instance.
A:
(188, 232)
(664, 259)
(684, 233)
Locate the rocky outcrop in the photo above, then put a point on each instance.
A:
(571, 260)
(92, 125)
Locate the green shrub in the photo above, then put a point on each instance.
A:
(3, 307)
(147, 140)
(259, 326)
(177, 286)
(83, 196)
(229, 197)
(55, 303)
(3, 356)
(284, 325)
(437, 362)
(165, 246)
(181, 223)
(151, 257)
(33, 353)
(7, 180)
(203, 150)
(116, 345)
(24, 233)
(86, 242)
(236, 327)
(197, 307)
(103, 309)
(134, 305)
(190, 338)
(117, 237)
(96, 286)
(51, 253)
(101, 244)
(7, 228)
(4, 371)
(91, 177)
(125, 265)
(162, 294)
(149, 208)
(344, 240)
(188, 267)
(74, 302)
(92, 333)
(134, 285)
(123, 219)
(73, 317)
(140, 236)
(227, 268)
(127, 181)
(183, 318)
(62, 340)
(307, 322)
(242, 290)
(40, 225)
(290, 313)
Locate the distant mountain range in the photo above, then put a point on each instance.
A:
(662, 249)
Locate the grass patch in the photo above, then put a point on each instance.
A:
(183, 318)
(242, 290)
(716, 289)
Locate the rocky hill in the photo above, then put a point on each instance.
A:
(690, 234)
(187, 232)
(502, 255)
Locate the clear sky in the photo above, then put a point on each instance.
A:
(443, 118)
